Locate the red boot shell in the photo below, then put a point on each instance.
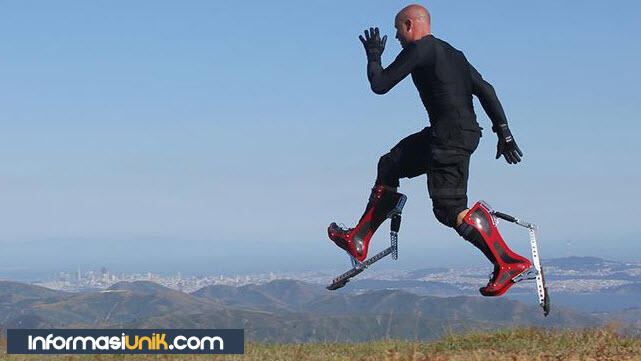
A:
(508, 263)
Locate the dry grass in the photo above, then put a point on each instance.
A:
(514, 345)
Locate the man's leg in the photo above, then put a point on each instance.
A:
(407, 159)
(447, 184)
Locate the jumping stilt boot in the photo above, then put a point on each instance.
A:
(383, 203)
(479, 229)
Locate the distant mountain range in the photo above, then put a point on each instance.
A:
(414, 305)
(279, 311)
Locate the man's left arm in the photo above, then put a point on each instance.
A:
(382, 80)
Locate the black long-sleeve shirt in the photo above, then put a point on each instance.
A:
(445, 81)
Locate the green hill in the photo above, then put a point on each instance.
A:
(278, 295)
(306, 327)
(122, 303)
(279, 311)
(17, 299)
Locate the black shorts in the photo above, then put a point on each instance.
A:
(446, 166)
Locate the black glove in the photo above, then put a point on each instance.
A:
(507, 145)
(373, 44)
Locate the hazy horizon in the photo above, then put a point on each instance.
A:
(201, 266)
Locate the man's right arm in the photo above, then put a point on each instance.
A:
(382, 80)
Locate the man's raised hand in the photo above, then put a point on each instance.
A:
(373, 44)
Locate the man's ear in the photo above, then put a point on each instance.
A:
(408, 24)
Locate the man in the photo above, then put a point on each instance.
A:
(446, 82)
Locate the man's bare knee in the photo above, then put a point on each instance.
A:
(460, 216)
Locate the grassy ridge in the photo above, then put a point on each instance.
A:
(513, 345)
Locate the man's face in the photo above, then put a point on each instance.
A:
(402, 31)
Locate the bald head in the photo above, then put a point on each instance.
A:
(412, 23)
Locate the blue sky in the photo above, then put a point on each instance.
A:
(223, 137)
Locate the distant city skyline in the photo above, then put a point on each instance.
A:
(164, 137)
